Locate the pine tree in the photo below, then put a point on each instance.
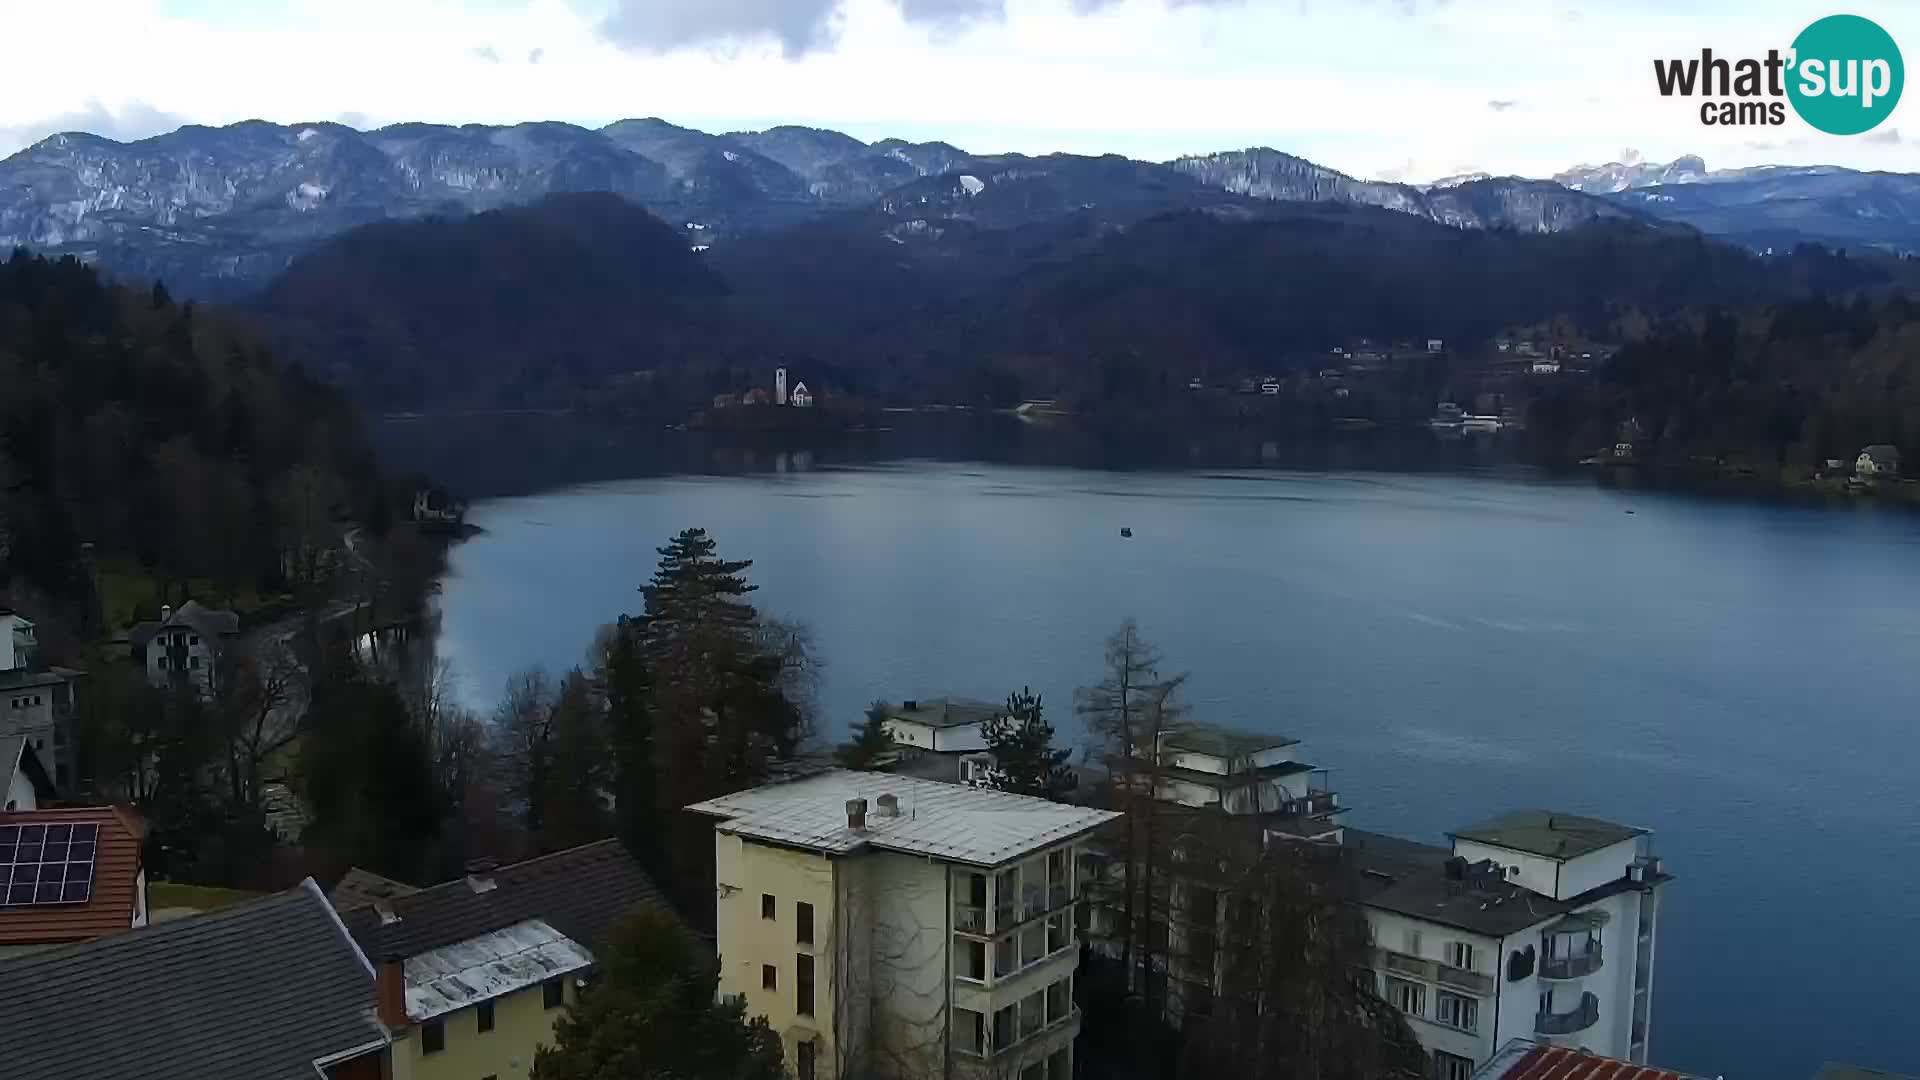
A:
(1024, 760)
(871, 741)
(693, 589)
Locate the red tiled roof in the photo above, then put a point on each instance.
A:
(116, 880)
(1560, 1063)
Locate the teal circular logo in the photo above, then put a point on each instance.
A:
(1846, 75)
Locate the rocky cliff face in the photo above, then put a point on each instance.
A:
(1472, 203)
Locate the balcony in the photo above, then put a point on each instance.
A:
(1581, 1018)
(968, 919)
(1402, 964)
(1015, 1042)
(1571, 967)
(1461, 979)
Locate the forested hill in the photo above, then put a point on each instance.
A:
(536, 305)
(1772, 389)
(165, 436)
(587, 299)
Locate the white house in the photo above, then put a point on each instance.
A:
(36, 701)
(1202, 766)
(1547, 366)
(1878, 460)
(940, 739)
(1534, 924)
(894, 927)
(186, 646)
(802, 397)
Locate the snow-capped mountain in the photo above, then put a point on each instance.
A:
(1475, 203)
(218, 210)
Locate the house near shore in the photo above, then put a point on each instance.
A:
(940, 738)
(186, 646)
(848, 901)
(1880, 461)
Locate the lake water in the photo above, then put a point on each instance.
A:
(1739, 677)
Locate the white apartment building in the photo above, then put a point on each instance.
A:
(1535, 924)
(36, 701)
(940, 738)
(898, 927)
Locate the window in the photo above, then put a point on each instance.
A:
(1033, 1013)
(1408, 997)
(1006, 956)
(1005, 1022)
(433, 1037)
(1035, 1071)
(1451, 1066)
(1460, 954)
(1059, 933)
(970, 1031)
(1033, 943)
(808, 1054)
(486, 1015)
(193, 662)
(973, 961)
(1413, 943)
(767, 906)
(1060, 1000)
(803, 985)
(553, 992)
(1455, 1010)
(769, 977)
(1059, 1066)
(803, 923)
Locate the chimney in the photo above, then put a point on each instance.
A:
(887, 805)
(857, 815)
(166, 612)
(390, 992)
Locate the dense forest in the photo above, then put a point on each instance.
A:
(587, 299)
(167, 439)
(1773, 389)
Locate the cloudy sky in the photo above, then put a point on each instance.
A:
(1398, 89)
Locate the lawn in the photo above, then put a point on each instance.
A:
(128, 594)
(168, 894)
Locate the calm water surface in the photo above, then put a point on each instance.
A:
(1738, 677)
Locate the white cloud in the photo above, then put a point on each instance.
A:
(1414, 86)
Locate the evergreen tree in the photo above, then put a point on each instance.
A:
(694, 589)
(625, 685)
(575, 771)
(1024, 760)
(654, 1013)
(871, 741)
(370, 782)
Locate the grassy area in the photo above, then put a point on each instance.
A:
(169, 894)
(128, 594)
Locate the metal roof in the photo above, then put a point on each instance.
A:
(1223, 742)
(1524, 1059)
(977, 826)
(1548, 833)
(946, 712)
(456, 976)
(257, 991)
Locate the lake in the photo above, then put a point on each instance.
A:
(1737, 676)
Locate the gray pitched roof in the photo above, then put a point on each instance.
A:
(580, 892)
(359, 888)
(210, 623)
(258, 991)
(17, 755)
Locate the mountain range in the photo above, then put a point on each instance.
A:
(218, 211)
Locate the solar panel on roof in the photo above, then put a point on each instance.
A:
(47, 864)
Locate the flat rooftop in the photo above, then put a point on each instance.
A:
(945, 712)
(1410, 878)
(1548, 833)
(1223, 742)
(977, 826)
